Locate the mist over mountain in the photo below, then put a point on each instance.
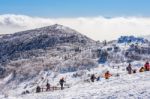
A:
(96, 27)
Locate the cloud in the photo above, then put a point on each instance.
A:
(97, 28)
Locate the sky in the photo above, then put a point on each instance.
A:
(98, 19)
(76, 8)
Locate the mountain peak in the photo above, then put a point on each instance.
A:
(59, 27)
(41, 38)
(55, 29)
(55, 26)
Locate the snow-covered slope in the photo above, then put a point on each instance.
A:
(37, 56)
(7, 79)
(124, 87)
(134, 86)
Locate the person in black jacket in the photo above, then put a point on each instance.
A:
(93, 77)
(62, 83)
(129, 69)
(38, 89)
(47, 87)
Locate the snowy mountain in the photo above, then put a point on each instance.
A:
(56, 48)
(33, 57)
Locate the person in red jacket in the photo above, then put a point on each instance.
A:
(147, 66)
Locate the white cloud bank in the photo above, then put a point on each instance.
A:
(97, 28)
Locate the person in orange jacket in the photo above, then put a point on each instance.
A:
(107, 75)
(142, 69)
(147, 66)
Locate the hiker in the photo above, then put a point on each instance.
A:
(25, 92)
(93, 77)
(129, 69)
(117, 75)
(134, 71)
(147, 66)
(62, 83)
(98, 78)
(38, 89)
(107, 75)
(47, 87)
(142, 69)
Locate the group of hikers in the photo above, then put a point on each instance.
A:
(146, 67)
(129, 69)
(94, 77)
(97, 78)
(48, 86)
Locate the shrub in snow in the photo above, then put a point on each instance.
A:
(129, 39)
(103, 56)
